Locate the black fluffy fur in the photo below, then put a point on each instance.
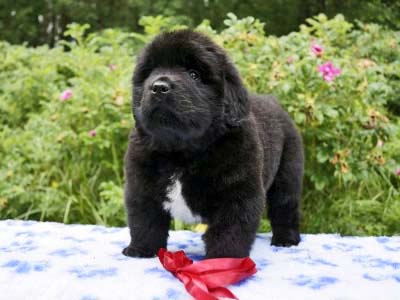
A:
(233, 152)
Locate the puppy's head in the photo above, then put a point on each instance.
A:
(185, 87)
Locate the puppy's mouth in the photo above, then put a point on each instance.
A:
(159, 116)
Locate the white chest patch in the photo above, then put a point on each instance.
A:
(177, 205)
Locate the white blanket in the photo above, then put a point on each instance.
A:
(84, 262)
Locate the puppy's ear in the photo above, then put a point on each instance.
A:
(236, 104)
(141, 72)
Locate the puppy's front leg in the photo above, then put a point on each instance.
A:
(232, 230)
(145, 191)
(148, 224)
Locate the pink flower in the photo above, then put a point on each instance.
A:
(328, 71)
(379, 144)
(112, 67)
(317, 49)
(66, 95)
(397, 172)
(92, 133)
(289, 60)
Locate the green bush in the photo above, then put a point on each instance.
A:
(62, 159)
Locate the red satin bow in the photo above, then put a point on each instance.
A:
(205, 280)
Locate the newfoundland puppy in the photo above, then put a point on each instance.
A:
(206, 149)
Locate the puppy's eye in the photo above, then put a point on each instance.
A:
(194, 74)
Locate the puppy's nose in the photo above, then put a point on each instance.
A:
(160, 87)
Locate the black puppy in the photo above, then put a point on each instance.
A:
(202, 139)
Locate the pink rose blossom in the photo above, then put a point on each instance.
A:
(289, 60)
(92, 133)
(397, 172)
(317, 49)
(66, 95)
(328, 71)
(112, 67)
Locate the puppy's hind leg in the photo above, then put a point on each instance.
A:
(283, 197)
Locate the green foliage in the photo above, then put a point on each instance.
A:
(52, 166)
(44, 22)
(63, 160)
(154, 25)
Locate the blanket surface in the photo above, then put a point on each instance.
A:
(84, 262)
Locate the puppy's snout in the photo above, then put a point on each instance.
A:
(160, 87)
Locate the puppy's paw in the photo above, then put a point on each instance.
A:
(226, 254)
(135, 252)
(285, 237)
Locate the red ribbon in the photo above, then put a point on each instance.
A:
(205, 280)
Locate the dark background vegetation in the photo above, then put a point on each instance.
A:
(43, 21)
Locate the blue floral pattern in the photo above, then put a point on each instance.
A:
(85, 262)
